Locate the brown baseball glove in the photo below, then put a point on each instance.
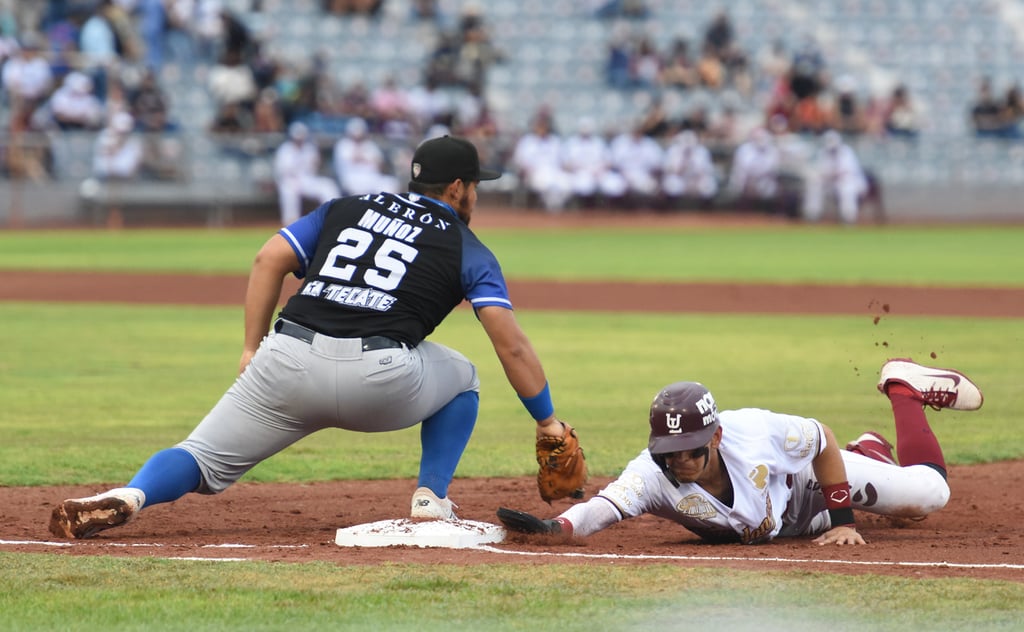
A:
(563, 469)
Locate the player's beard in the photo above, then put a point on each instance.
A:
(463, 208)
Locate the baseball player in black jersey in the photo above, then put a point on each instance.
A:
(348, 350)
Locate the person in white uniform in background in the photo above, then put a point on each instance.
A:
(754, 174)
(751, 475)
(297, 174)
(838, 174)
(688, 170)
(118, 153)
(639, 159)
(586, 159)
(360, 164)
(537, 159)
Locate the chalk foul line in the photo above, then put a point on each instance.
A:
(493, 549)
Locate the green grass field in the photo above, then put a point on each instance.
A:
(943, 255)
(109, 384)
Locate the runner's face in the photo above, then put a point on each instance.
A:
(688, 465)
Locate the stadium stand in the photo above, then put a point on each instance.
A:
(554, 55)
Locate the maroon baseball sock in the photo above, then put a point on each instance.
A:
(915, 441)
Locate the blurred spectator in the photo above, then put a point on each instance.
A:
(118, 153)
(180, 31)
(298, 85)
(618, 67)
(440, 69)
(655, 121)
(850, 115)
(149, 106)
(632, 9)
(430, 104)
(392, 112)
(837, 174)
(152, 23)
(63, 29)
(27, 81)
(537, 159)
(477, 51)
(267, 117)
(753, 177)
(355, 101)
(688, 172)
(100, 46)
(796, 153)
(811, 115)
(231, 118)
(645, 63)
(586, 159)
(680, 70)
(639, 159)
(360, 165)
(710, 69)
(232, 85)
(987, 112)
(297, 174)
(900, 116)
(807, 72)
(429, 11)
(725, 129)
(353, 7)
(74, 106)
(696, 119)
(236, 40)
(1013, 110)
(720, 41)
(208, 30)
(719, 36)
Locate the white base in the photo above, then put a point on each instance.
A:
(448, 534)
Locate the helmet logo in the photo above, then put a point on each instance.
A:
(416, 169)
(674, 423)
(707, 408)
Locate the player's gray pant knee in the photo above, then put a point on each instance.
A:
(294, 388)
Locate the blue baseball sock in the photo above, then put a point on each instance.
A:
(444, 436)
(167, 475)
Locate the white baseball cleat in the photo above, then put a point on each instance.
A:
(938, 388)
(874, 446)
(85, 517)
(426, 504)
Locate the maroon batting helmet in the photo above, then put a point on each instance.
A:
(683, 417)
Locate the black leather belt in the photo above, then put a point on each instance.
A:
(370, 343)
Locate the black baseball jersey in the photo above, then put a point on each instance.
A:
(388, 265)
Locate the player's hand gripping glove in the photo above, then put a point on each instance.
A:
(523, 522)
(563, 468)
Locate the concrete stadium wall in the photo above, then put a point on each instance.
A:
(59, 204)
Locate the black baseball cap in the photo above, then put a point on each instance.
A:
(447, 159)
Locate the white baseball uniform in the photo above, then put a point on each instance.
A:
(755, 167)
(838, 173)
(538, 160)
(688, 169)
(768, 456)
(296, 172)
